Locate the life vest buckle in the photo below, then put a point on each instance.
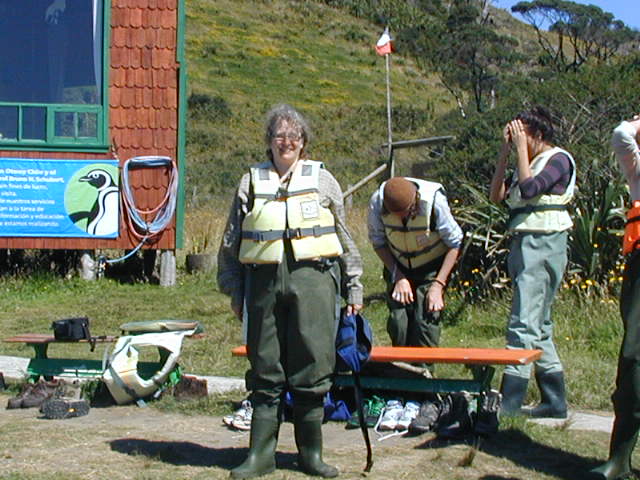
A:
(293, 233)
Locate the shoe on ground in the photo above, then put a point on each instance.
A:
(242, 418)
(239, 413)
(61, 408)
(487, 421)
(16, 402)
(391, 415)
(375, 406)
(354, 421)
(456, 423)
(40, 392)
(427, 417)
(409, 413)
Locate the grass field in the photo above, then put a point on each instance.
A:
(587, 329)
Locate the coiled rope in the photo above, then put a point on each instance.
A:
(164, 211)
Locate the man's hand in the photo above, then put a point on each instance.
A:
(435, 298)
(353, 308)
(402, 292)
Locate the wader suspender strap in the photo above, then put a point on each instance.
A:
(363, 423)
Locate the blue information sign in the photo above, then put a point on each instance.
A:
(59, 198)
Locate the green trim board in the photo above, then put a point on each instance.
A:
(182, 122)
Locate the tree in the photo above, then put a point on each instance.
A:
(590, 32)
(469, 55)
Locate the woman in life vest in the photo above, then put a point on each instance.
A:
(537, 196)
(284, 255)
(625, 142)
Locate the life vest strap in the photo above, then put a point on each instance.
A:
(282, 193)
(417, 253)
(536, 208)
(513, 212)
(289, 233)
(402, 228)
(633, 220)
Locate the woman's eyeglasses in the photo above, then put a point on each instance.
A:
(283, 137)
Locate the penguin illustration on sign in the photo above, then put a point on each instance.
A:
(102, 219)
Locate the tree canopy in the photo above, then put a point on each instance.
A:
(582, 32)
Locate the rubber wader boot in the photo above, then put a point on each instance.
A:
(513, 390)
(308, 433)
(553, 398)
(623, 440)
(261, 460)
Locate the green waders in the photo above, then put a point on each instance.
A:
(536, 264)
(292, 309)
(412, 325)
(626, 398)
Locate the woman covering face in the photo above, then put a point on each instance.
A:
(537, 193)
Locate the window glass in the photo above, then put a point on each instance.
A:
(87, 124)
(65, 124)
(51, 51)
(8, 123)
(34, 123)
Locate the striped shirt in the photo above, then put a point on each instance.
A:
(553, 179)
(231, 271)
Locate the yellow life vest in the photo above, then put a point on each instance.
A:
(414, 244)
(545, 213)
(289, 213)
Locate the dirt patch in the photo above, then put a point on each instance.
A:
(128, 442)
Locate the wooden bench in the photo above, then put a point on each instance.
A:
(480, 361)
(42, 365)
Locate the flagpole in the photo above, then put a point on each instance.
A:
(389, 135)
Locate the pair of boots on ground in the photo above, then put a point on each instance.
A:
(265, 426)
(56, 399)
(553, 398)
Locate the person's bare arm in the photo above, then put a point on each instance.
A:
(498, 189)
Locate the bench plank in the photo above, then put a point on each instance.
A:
(44, 338)
(465, 356)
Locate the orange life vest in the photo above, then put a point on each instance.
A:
(631, 237)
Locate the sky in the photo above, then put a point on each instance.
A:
(626, 10)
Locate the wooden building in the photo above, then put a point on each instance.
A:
(94, 80)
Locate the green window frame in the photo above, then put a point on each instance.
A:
(65, 126)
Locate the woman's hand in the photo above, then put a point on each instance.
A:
(506, 134)
(353, 309)
(435, 297)
(402, 291)
(237, 310)
(518, 135)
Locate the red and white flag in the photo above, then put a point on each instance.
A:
(385, 44)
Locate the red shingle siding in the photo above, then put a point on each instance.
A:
(144, 75)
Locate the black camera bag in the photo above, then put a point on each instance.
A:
(71, 329)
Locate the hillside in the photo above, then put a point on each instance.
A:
(247, 55)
